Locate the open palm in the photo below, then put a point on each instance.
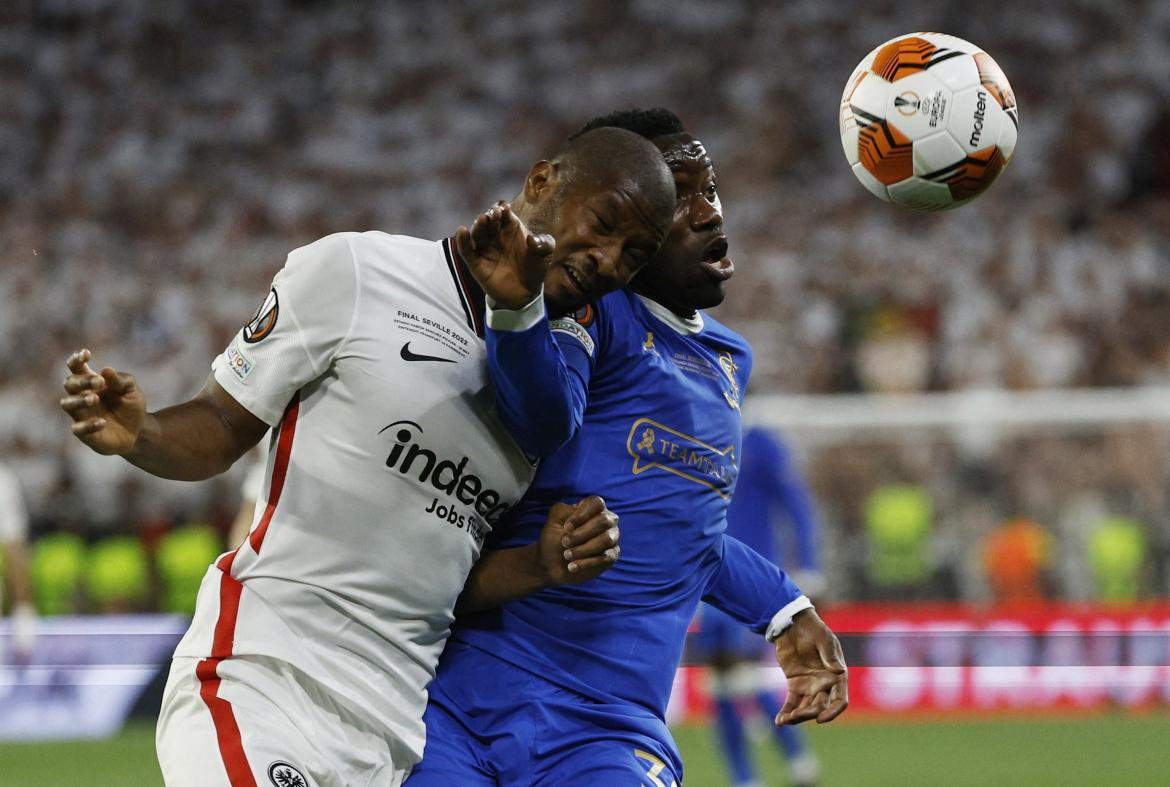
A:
(507, 259)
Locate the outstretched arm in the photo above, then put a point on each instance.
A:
(750, 588)
(292, 339)
(577, 543)
(755, 592)
(188, 442)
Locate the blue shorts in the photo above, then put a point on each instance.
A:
(491, 723)
(721, 634)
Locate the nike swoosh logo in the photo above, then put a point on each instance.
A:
(407, 355)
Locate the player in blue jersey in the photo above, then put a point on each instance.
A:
(640, 395)
(770, 488)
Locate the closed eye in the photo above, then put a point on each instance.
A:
(639, 256)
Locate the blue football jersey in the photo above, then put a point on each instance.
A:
(653, 401)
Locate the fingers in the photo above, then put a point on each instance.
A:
(823, 699)
(489, 224)
(88, 426)
(507, 217)
(541, 245)
(583, 511)
(115, 383)
(804, 711)
(78, 362)
(559, 512)
(603, 526)
(836, 707)
(595, 564)
(108, 380)
(464, 245)
(493, 223)
(74, 405)
(597, 545)
(838, 697)
(77, 383)
(791, 703)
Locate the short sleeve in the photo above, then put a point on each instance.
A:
(297, 331)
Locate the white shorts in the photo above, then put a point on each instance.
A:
(252, 721)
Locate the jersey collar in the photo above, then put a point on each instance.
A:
(471, 296)
(685, 325)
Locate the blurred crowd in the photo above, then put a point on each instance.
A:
(161, 157)
(1049, 515)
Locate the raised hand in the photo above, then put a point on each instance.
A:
(579, 542)
(818, 681)
(107, 407)
(507, 259)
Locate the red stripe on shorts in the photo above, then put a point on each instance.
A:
(227, 730)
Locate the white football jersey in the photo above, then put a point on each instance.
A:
(386, 468)
(13, 514)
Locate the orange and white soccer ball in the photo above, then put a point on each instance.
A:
(928, 121)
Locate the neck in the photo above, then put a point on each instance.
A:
(471, 294)
(683, 310)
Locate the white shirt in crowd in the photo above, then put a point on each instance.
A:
(13, 513)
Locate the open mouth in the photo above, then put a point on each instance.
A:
(578, 280)
(715, 260)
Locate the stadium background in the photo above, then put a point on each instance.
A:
(159, 159)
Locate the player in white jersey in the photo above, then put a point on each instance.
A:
(14, 565)
(314, 640)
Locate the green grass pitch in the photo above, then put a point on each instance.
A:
(1089, 751)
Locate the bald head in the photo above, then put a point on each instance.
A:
(614, 158)
(607, 200)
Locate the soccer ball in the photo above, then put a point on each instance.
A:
(928, 121)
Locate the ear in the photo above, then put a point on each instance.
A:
(541, 182)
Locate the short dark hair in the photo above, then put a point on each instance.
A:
(649, 123)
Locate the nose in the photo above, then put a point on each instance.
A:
(705, 213)
(607, 265)
(606, 258)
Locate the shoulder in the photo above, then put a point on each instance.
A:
(723, 334)
(378, 248)
(726, 341)
(378, 240)
(322, 271)
(718, 333)
(325, 260)
(366, 257)
(618, 313)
